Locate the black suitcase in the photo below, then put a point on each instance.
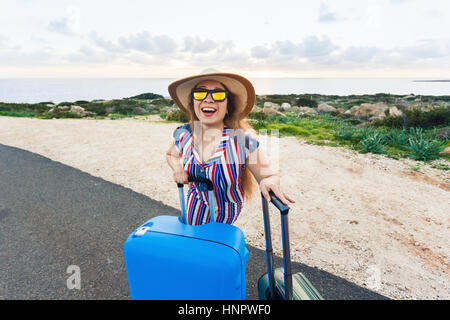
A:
(281, 283)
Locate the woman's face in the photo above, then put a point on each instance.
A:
(208, 111)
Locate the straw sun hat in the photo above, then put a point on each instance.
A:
(240, 87)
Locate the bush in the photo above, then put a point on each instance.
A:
(276, 98)
(17, 114)
(435, 117)
(66, 114)
(147, 96)
(424, 149)
(163, 115)
(345, 133)
(96, 107)
(178, 116)
(81, 102)
(36, 108)
(65, 104)
(258, 115)
(397, 138)
(373, 142)
(306, 102)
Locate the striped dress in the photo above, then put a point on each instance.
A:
(224, 169)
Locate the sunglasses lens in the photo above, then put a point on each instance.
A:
(199, 95)
(219, 96)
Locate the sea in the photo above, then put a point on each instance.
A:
(34, 90)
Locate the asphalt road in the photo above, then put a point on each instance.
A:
(53, 216)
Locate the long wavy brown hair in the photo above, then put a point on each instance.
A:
(232, 121)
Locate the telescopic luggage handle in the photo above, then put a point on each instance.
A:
(284, 210)
(210, 188)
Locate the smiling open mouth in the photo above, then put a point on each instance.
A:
(208, 112)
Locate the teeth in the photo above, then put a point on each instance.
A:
(208, 109)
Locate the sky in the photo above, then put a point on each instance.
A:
(175, 38)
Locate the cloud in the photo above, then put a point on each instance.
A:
(223, 56)
(260, 52)
(14, 57)
(105, 44)
(89, 54)
(427, 49)
(70, 24)
(312, 46)
(197, 45)
(142, 42)
(146, 43)
(286, 48)
(143, 48)
(321, 52)
(325, 15)
(309, 47)
(360, 54)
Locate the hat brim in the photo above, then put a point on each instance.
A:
(241, 88)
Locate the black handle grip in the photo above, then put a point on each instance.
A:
(209, 184)
(277, 203)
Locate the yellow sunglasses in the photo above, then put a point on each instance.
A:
(217, 95)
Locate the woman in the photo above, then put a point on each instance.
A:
(216, 144)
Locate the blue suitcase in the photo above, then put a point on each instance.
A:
(166, 259)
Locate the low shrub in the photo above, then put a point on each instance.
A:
(81, 102)
(437, 116)
(397, 137)
(178, 116)
(163, 115)
(66, 114)
(17, 114)
(115, 116)
(147, 96)
(424, 149)
(345, 133)
(373, 142)
(257, 116)
(306, 102)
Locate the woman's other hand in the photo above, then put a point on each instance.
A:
(272, 183)
(175, 161)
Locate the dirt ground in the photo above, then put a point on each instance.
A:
(366, 218)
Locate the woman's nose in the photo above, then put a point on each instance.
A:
(209, 98)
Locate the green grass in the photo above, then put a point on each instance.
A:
(17, 114)
(416, 143)
(115, 116)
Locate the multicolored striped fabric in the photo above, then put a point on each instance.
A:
(224, 169)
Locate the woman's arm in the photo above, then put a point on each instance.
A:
(267, 178)
(175, 161)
